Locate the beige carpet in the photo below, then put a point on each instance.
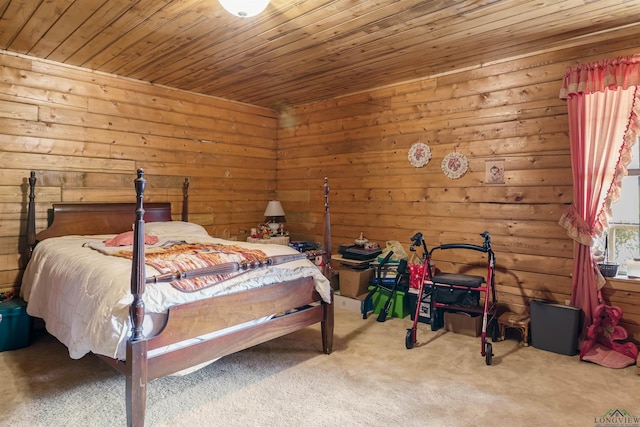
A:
(369, 380)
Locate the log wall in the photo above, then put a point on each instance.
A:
(507, 111)
(85, 134)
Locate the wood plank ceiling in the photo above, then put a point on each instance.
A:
(300, 51)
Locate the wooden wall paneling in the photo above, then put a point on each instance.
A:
(508, 110)
(17, 110)
(87, 132)
(65, 163)
(12, 92)
(88, 147)
(187, 121)
(118, 89)
(9, 246)
(27, 144)
(625, 295)
(9, 277)
(102, 90)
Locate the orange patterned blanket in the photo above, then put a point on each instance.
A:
(180, 257)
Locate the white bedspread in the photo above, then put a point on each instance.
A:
(84, 296)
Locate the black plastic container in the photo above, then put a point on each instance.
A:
(555, 327)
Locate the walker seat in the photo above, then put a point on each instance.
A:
(467, 280)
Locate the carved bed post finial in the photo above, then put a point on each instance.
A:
(185, 200)
(326, 238)
(138, 269)
(31, 217)
(326, 194)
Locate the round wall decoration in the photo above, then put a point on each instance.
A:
(454, 165)
(419, 154)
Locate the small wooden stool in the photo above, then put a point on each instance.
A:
(517, 321)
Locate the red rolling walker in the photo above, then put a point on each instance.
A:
(460, 285)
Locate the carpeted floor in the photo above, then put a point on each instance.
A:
(369, 380)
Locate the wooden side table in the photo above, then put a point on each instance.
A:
(517, 321)
(276, 240)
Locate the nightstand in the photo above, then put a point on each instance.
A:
(275, 240)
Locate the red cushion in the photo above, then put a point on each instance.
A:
(126, 239)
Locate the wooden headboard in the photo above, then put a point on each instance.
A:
(95, 218)
(100, 218)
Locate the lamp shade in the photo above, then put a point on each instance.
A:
(244, 8)
(274, 208)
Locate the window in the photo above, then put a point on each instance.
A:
(624, 231)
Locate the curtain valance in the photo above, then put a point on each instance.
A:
(622, 72)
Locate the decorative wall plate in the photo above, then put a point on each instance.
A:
(454, 165)
(419, 154)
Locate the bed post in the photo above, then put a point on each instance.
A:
(31, 218)
(185, 200)
(327, 324)
(326, 236)
(136, 382)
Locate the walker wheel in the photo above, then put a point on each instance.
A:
(488, 353)
(409, 339)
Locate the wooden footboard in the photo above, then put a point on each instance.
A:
(298, 300)
(297, 303)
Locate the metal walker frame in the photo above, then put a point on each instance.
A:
(432, 281)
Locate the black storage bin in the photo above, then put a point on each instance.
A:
(555, 327)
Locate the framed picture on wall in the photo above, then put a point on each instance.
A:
(494, 171)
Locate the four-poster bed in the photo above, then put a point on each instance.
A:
(162, 335)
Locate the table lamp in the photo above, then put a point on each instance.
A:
(275, 216)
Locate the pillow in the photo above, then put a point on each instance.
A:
(126, 239)
(174, 228)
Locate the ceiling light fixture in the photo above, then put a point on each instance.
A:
(244, 8)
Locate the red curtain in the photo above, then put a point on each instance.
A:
(602, 102)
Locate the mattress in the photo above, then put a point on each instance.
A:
(84, 295)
